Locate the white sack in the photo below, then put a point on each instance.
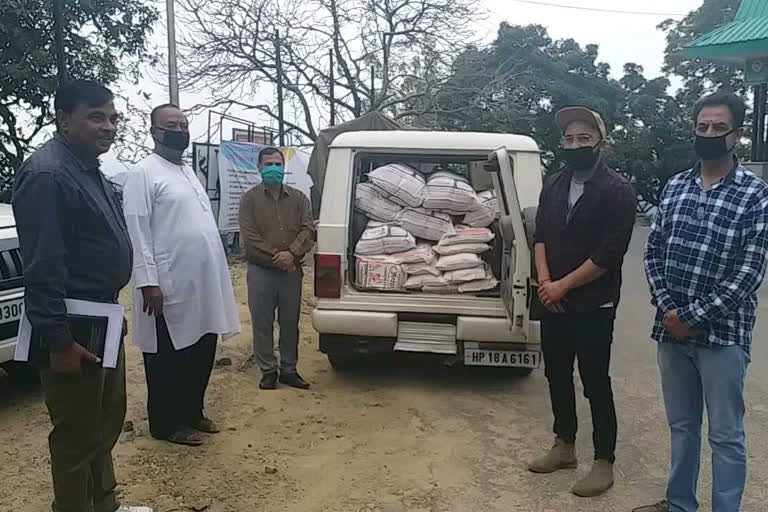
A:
(458, 262)
(466, 275)
(417, 282)
(450, 193)
(381, 238)
(377, 275)
(478, 286)
(423, 253)
(425, 224)
(370, 202)
(467, 235)
(485, 212)
(447, 250)
(399, 183)
(418, 269)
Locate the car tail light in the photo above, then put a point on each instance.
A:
(328, 276)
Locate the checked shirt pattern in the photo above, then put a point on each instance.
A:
(706, 255)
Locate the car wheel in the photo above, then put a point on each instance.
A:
(343, 361)
(24, 374)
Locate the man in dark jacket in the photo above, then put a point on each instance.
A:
(75, 245)
(583, 227)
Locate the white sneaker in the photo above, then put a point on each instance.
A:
(129, 508)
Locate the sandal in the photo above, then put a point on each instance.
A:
(185, 436)
(206, 425)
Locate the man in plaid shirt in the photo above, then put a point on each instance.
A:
(705, 260)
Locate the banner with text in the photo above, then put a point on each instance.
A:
(239, 172)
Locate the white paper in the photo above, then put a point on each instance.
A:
(114, 313)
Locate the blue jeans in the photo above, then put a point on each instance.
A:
(691, 376)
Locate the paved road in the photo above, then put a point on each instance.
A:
(642, 454)
(414, 437)
(508, 423)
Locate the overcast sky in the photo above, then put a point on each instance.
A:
(622, 37)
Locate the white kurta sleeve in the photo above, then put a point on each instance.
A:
(138, 199)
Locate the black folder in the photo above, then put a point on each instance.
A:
(88, 331)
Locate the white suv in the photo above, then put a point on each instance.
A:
(492, 328)
(11, 292)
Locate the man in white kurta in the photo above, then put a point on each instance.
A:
(183, 296)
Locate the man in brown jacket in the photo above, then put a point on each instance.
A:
(277, 231)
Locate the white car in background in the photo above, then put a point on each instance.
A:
(11, 293)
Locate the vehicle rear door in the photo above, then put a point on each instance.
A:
(516, 253)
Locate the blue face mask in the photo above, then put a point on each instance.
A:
(272, 174)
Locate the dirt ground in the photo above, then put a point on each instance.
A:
(410, 435)
(351, 443)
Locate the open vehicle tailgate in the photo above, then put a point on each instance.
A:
(516, 258)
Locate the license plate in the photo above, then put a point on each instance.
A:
(511, 358)
(11, 311)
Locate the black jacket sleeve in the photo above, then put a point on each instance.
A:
(617, 229)
(543, 214)
(40, 205)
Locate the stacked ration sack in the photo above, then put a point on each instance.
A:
(423, 234)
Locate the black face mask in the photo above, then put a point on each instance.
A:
(712, 148)
(580, 159)
(173, 139)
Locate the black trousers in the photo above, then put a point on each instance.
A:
(586, 337)
(176, 381)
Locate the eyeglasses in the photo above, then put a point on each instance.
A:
(582, 138)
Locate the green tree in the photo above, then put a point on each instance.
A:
(650, 128)
(105, 40)
(654, 141)
(701, 76)
(546, 76)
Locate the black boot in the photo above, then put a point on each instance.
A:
(294, 380)
(268, 381)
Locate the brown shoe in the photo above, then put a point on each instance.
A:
(661, 506)
(597, 481)
(561, 456)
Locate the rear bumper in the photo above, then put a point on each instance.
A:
(347, 344)
(9, 330)
(355, 323)
(384, 326)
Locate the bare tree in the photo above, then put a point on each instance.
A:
(131, 141)
(389, 55)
